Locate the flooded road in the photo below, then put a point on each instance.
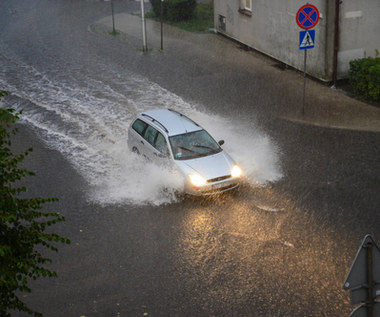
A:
(280, 246)
(84, 112)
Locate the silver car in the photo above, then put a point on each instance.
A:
(167, 136)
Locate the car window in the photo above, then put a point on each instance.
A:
(150, 134)
(192, 145)
(139, 126)
(161, 144)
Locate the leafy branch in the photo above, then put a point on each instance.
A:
(23, 225)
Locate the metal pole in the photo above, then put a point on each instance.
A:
(336, 42)
(162, 28)
(304, 83)
(145, 49)
(370, 279)
(113, 18)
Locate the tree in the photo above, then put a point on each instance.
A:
(22, 225)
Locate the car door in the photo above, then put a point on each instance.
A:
(161, 147)
(136, 141)
(148, 150)
(156, 148)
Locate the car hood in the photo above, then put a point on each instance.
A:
(209, 167)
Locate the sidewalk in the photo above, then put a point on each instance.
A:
(325, 107)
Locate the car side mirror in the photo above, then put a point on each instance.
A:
(221, 142)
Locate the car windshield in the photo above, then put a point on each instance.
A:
(193, 145)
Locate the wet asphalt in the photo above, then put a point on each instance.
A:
(282, 249)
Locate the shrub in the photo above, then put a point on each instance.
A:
(23, 226)
(364, 77)
(174, 10)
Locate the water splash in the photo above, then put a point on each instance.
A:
(86, 119)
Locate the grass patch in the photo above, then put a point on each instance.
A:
(101, 29)
(117, 34)
(114, 33)
(202, 21)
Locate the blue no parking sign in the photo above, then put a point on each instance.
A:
(307, 16)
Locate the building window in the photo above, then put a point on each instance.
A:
(222, 23)
(246, 7)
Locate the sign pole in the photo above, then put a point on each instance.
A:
(370, 279)
(304, 83)
(162, 22)
(113, 18)
(363, 279)
(307, 17)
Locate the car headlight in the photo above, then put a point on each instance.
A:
(236, 171)
(197, 180)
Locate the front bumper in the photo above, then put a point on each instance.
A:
(213, 187)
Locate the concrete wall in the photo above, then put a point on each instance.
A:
(359, 32)
(272, 29)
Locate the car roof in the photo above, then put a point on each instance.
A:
(171, 121)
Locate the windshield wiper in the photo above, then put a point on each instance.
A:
(204, 146)
(187, 149)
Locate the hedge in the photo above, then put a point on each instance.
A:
(174, 10)
(364, 77)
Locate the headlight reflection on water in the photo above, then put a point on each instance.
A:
(233, 252)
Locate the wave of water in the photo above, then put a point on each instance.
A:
(86, 119)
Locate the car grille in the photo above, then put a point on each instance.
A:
(219, 190)
(218, 179)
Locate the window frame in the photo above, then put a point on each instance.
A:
(166, 148)
(250, 5)
(157, 133)
(243, 9)
(143, 130)
(154, 135)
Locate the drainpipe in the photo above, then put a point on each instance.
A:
(336, 42)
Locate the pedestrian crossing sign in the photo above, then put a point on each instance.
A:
(307, 39)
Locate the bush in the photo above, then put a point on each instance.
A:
(23, 226)
(364, 77)
(174, 10)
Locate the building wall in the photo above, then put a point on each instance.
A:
(272, 29)
(359, 32)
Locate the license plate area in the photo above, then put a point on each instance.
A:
(220, 185)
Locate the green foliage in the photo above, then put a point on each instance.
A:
(364, 76)
(174, 10)
(22, 225)
(202, 19)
